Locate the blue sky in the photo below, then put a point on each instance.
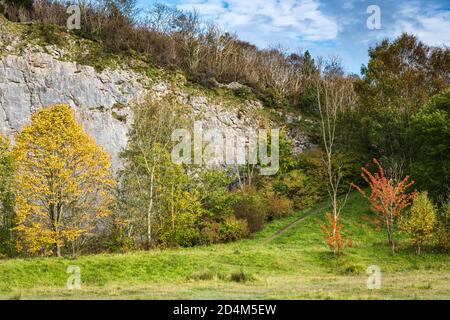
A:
(325, 28)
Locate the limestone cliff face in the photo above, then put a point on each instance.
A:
(33, 77)
(35, 80)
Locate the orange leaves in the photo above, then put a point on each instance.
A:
(388, 197)
(332, 235)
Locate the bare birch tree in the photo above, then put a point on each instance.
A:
(335, 95)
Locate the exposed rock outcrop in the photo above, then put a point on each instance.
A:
(35, 80)
(32, 77)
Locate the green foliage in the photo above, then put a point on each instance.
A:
(156, 201)
(295, 185)
(295, 264)
(46, 34)
(313, 175)
(217, 201)
(399, 79)
(430, 140)
(233, 229)
(443, 229)
(119, 240)
(279, 207)
(6, 198)
(182, 225)
(252, 207)
(420, 223)
(353, 269)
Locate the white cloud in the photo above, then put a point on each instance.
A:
(293, 19)
(433, 30)
(430, 24)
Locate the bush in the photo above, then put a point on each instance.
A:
(353, 269)
(421, 221)
(297, 186)
(253, 208)
(184, 233)
(233, 229)
(119, 240)
(216, 199)
(279, 207)
(7, 198)
(211, 233)
(241, 276)
(443, 229)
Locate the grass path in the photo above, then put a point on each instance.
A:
(294, 264)
(295, 222)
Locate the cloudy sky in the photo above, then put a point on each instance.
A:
(337, 27)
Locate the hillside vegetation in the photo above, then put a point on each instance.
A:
(223, 231)
(293, 265)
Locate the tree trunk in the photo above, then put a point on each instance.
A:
(55, 221)
(172, 209)
(57, 249)
(391, 239)
(149, 211)
(390, 233)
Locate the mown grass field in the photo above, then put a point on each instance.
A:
(293, 265)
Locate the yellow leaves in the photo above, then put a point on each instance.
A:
(421, 222)
(63, 181)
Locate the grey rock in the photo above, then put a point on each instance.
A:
(102, 100)
(35, 80)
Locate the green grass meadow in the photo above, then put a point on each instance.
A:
(294, 264)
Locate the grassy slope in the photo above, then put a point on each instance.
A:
(294, 265)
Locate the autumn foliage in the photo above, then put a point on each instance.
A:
(421, 222)
(332, 235)
(62, 182)
(388, 197)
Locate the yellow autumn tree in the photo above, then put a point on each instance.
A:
(62, 182)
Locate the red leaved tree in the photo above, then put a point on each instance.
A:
(388, 197)
(332, 235)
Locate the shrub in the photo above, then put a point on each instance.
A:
(119, 239)
(7, 198)
(279, 206)
(332, 235)
(216, 199)
(16, 10)
(421, 221)
(211, 233)
(253, 208)
(184, 230)
(241, 276)
(443, 229)
(233, 229)
(353, 269)
(297, 186)
(388, 198)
